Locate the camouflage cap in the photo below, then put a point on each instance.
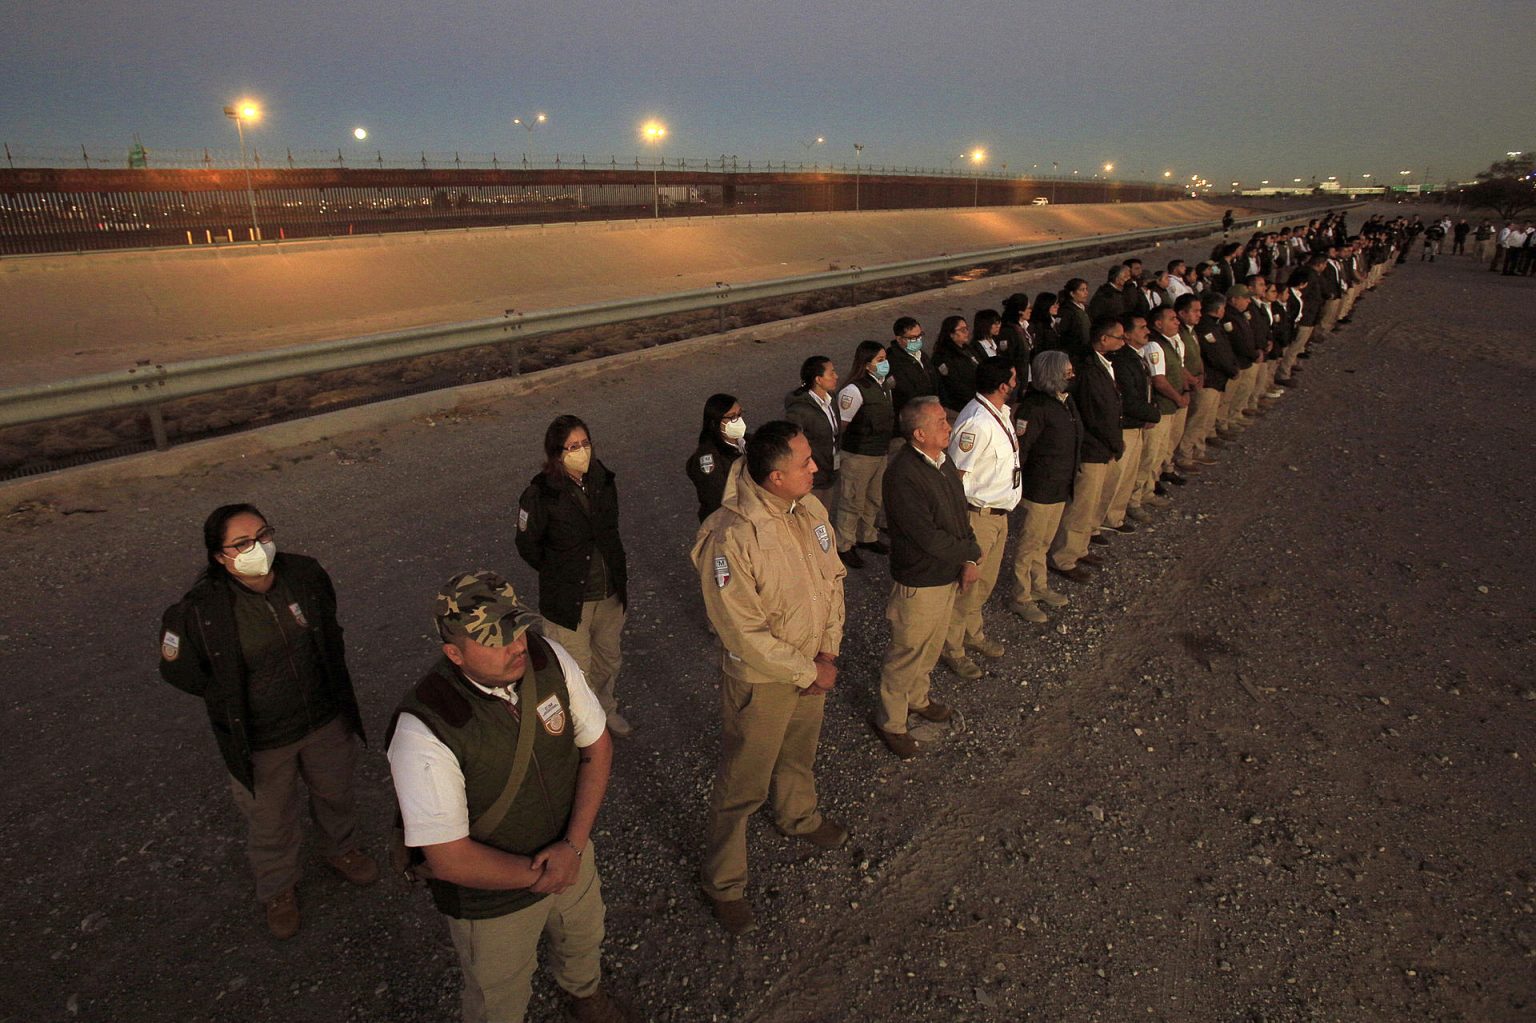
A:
(485, 606)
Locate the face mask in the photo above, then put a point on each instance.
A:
(735, 429)
(255, 562)
(577, 461)
(882, 369)
(914, 345)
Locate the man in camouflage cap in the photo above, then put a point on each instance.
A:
(506, 850)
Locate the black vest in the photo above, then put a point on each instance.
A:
(873, 425)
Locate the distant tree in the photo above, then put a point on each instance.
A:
(1507, 187)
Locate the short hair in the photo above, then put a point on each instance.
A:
(1048, 371)
(1172, 263)
(1114, 271)
(912, 413)
(768, 447)
(1160, 311)
(1212, 300)
(1130, 262)
(902, 325)
(1073, 283)
(1184, 301)
(1102, 326)
(993, 373)
(1251, 278)
(1202, 267)
(1128, 321)
(812, 368)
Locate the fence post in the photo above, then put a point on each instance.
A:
(157, 428)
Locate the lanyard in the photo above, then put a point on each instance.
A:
(1012, 437)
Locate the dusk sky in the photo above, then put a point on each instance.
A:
(1232, 90)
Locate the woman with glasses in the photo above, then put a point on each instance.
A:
(722, 439)
(257, 638)
(568, 530)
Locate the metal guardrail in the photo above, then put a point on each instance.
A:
(152, 385)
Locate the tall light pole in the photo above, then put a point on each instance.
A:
(1109, 168)
(653, 132)
(977, 156)
(1055, 173)
(819, 140)
(241, 112)
(528, 124)
(858, 154)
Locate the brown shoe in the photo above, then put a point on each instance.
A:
(597, 1007)
(283, 914)
(734, 915)
(899, 743)
(1029, 611)
(962, 666)
(829, 835)
(991, 649)
(935, 711)
(356, 866)
(1077, 573)
(1091, 560)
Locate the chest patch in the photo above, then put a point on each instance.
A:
(722, 572)
(1226, 325)
(170, 646)
(522, 520)
(298, 614)
(552, 715)
(706, 464)
(967, 441)
(824, 538)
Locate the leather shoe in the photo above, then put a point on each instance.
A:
(1125, 527)
(1099, 539)
(283, 914)
(597, 1007)
(1215, 442)
(1190, 469)
(991, 649)
(1029, 611)
(828, 835)
(962, 666)
(935, 711)
(875, 547)
(1053, 598)
(851, 558)
(1289, 383)
(356, 866)
(899, 743)
(1174, 478)
(1205, 460)
(1139, 514)
(735, 915)
(1091, 560)
(1077, 573)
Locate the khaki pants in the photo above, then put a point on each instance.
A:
(1120, 481)
(1029, 572)
(1177, 421)
(1293, 351)
(497, 956)
(1081, 517)
(1330, 313)
(767, 749)
(919, 617)
(1259, 370)
(1482, 250)
(1152, 442)
(1204, 403)
(595, 644)
(326, 759)
(1350, 298)
(1235, 398)
(965, 622)
(858, 499)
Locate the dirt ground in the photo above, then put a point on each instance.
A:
(1273, 764)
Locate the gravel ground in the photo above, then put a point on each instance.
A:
(1273, 764)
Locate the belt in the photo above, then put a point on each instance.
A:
(989, 511)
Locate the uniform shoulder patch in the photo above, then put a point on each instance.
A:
(1020, 426)
(522, 520)
(552, 715)
(170, 646)
(298, 614)
(824, 538)
(1226, 325)
(706, 464)
(722, 571)
(944, 370)
(846, 401)
(967, 441)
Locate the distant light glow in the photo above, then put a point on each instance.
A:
(359, 133)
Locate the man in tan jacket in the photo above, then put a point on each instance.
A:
(773, 589)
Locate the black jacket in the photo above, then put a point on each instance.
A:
(200, 653)
(1047, 337)
(1072, 332)
(909, 379)
(1050, 443)
(1223, 276)
(1109, 301)
(957, 375)
(929, 519)
(1020, 342)
(1137, 407)
(802, 409)
(1242, 335)
(1098, 408)
(1216, 353)
(707, 468)
(558, 536)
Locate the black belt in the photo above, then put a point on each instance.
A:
(989, 511)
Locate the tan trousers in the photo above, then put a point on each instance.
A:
(595, 644)
(1152, 442)
(1293, 351)
(1120, 481)
(326, 759)
(1482, 250)
(1029, 573)
(1177, 421)
(768, 743)
(1350, 298)
(497, 956)
(1330, 313)
(919, 617)
(858, 499)
(1204, 403)
(1235, 397)
(1081, 517)
(965, 624)
(1259, 370)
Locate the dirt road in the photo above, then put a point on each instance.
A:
(1274, 764)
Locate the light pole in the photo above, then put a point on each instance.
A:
(858, 153)
(241, 112)
(819, 140)
(653, 132)
(1055, 173)
(528, 124)
(977, 155)
(1109, 169)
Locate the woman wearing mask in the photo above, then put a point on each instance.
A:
(722, 439)
(1050, 437)
(568, 530)
(1074, 317)
(869, 422)
(1045, 321)
(956, 357)
(257, 639)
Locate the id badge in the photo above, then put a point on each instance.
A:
(1018, 477)
(837, 460)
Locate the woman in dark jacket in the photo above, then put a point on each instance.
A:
(956, 357)
(1074, 318)
(1016, 337)
(568, 530)
(722, 439)
(1044, 323)
(257, 639)
(1050, 442)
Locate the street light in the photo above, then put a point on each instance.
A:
(977, 155)
(530, 123)
(858, 153)
(241, 112)
(359, 133)
(819, 140)
(653, 132)
(1055, 173)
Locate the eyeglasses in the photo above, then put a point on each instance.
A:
(246, 543)
(571, 449)
(731, 419)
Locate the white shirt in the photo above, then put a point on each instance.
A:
(1515, 240)
(988, 345)
(429, 784)
(1177, 288)
(1108, 368)
(849, 400)
(1152, 354)
(985, 448)
(1176, 343)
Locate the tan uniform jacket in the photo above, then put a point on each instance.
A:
(772, 582)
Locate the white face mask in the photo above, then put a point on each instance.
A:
(734, 429)
(255, 562)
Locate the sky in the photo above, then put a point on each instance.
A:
(1229, 90)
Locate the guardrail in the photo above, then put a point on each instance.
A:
(148, 386)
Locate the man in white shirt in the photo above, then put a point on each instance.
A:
(1513, 243)
(506, 850)
(1176, 286)
(985, 449)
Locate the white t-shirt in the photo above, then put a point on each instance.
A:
(429, 783)
(1177, 288)
(983, 447)
(1108, 366)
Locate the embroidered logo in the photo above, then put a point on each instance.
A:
(552, 715)
(967, 441)
(170, 646)
(846, 401)
(522, 520)
(824, 538)
(706, 464)
(722, 572)
(298, 614)
(1226, 325)
(944, 370)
